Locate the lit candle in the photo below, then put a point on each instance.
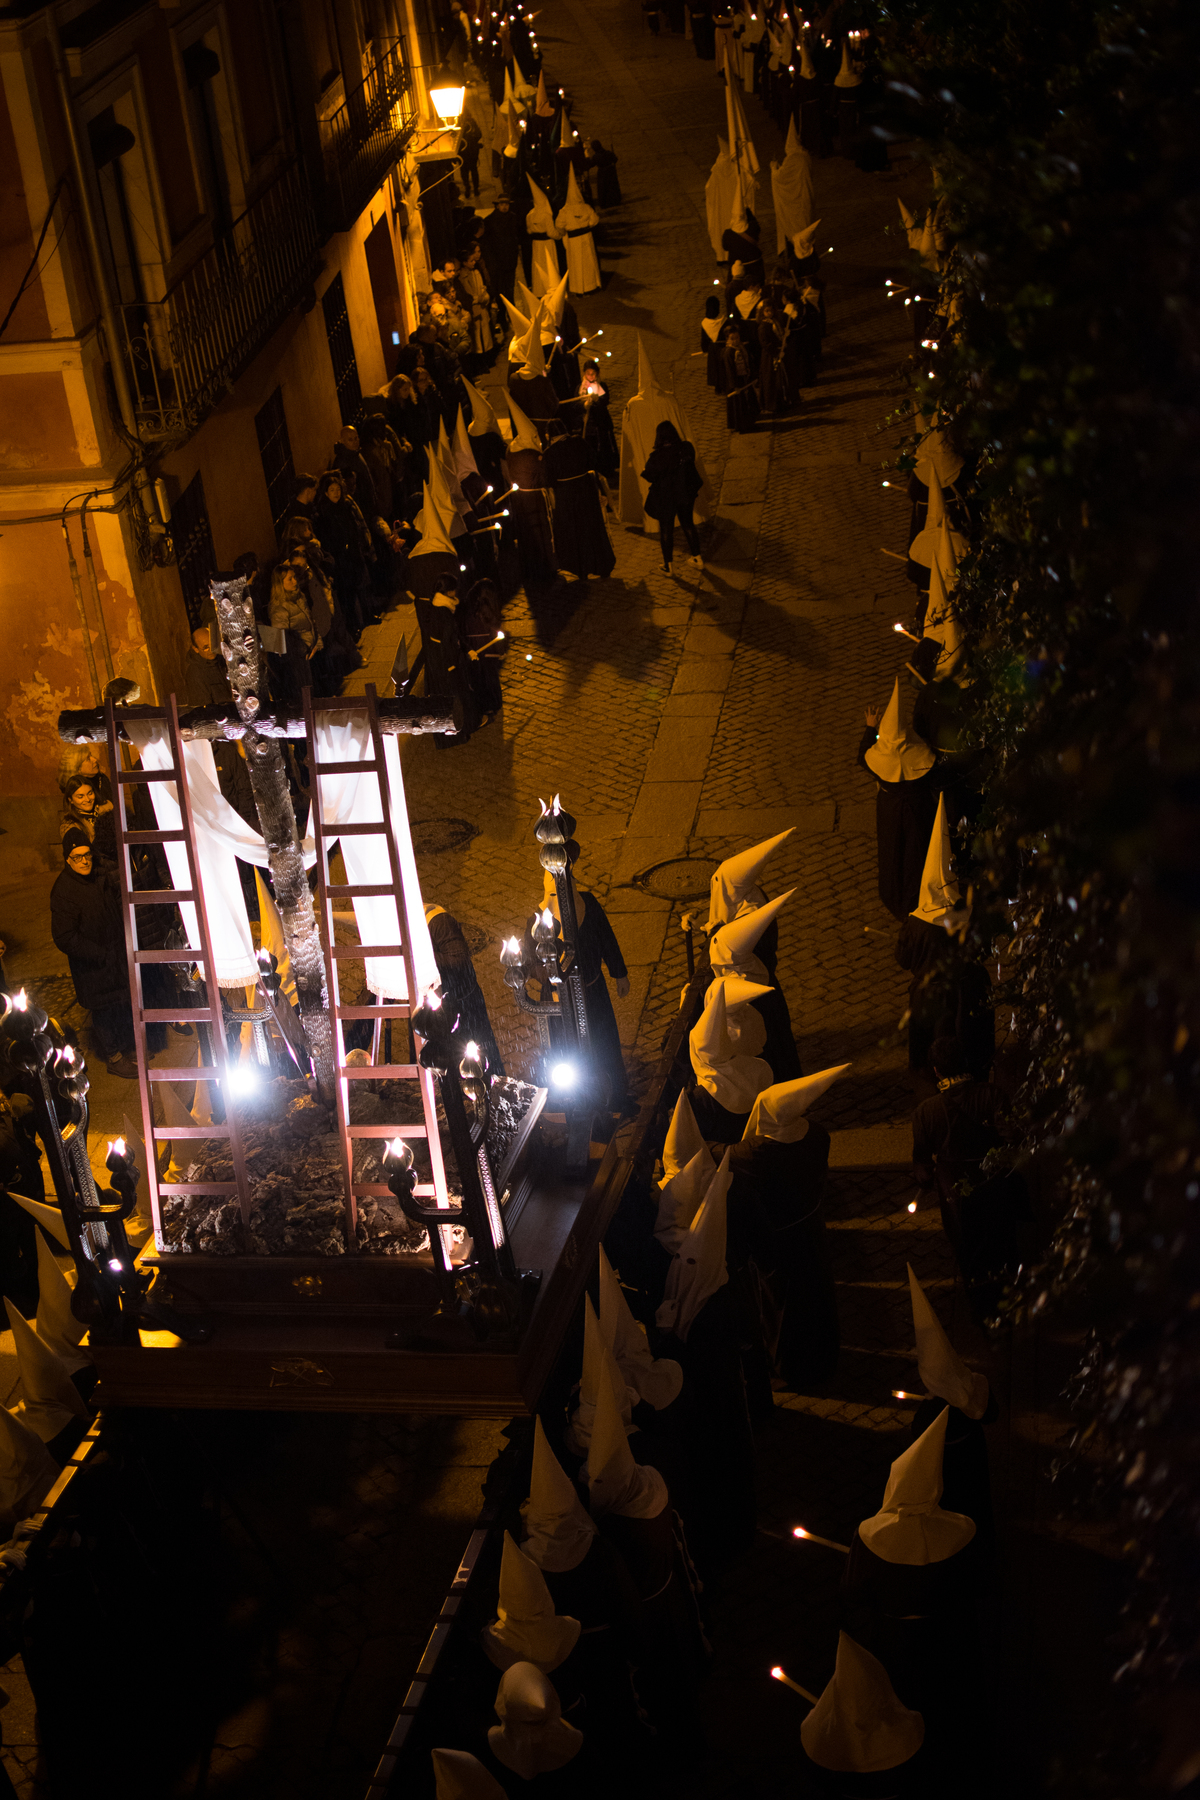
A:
(777, 1674)
(811, 1537)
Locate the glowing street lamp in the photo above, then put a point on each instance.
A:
(448, 104)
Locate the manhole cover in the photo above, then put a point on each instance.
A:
(684, 878)
(433, 836)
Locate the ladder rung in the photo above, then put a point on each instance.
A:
(367, 950)
(159, 1015)
(371, 830)
(370, 1012)
(379, 1072)
(162, 1133)
(197, 1187)
(344, 768)
(422, 1190)
(386, 1131)
(159, 896)
(374, 890)
(139, 775)
(184, 954)
(193, 1074)
(155, 837)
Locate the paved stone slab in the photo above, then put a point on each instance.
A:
(706, 639)
(638, 853)
(640, 934)
(665, 807)
(706, 705)
(707, 676)
(686, 761)
(750, 822)
(875, 1147)
(744, 489)
(857, 816)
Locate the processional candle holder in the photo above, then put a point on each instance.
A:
(555, 964)
(112, 1296)
(487, 1294)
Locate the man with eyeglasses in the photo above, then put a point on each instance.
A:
(86, 924)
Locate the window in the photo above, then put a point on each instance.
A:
(194, 554)
(275, 448)
(341, 350)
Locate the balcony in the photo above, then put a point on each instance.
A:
(366, 135)
(185, 352)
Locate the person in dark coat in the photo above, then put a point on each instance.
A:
(674, 483)
(581, 540)
(529, 507)
(704, 33)
(87, 926)
(741, 393)
(598, 432)
(772, 374)
(347, 454)
(597, 949)
(337, 528)
(460, 986)
(608, 187)
(479, 623)
(801, 342)
(433, 576)
(908, 783)
(502, 244)
(303, 500)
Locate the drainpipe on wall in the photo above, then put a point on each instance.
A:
(83, 618)
(90, 564)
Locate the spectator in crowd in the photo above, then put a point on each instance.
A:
(86, 925)
(85, 811)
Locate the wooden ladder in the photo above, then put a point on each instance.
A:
(335, 953)
(210, 1013)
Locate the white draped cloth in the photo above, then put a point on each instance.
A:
(222, 836)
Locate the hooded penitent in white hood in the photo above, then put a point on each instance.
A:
(792, 190)
(858, 1725)
(736, 879)
(912, 227)
(524, 435)
(577, 220)
(847, 76)
(529, 348)
(802, 241)
(532, 1737)
(553, 306)
(698, 1269)
(27, 1469)
(57, 1325)
(544, 233)
(939, 887)
(527, 1628)
(779, 1112)
(731, 947)
(434, 524)
(51, 1399)
(683, 1139)
(719, 192)
(50, 1216)
(923, 546)
(910, 1527)
(616, 1484)
(599, 1371)
(741, 144)
(944, 1373)
(558, 1532)
(679, 1200)
(941, 623)
(896, 754)
(747, 1027)
(657, 1380)
(733, 1081)
(461, 1776)
(519, 320)
(464, 456)
(483, 417)
(640, 420)
(936, 452)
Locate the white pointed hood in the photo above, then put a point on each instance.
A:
(616, 1484)
(847, 76)
(558, 1532)
(657, 1380)
(57, 1327)
(941, 623)
(434, 523)
(910, 1527)
(683, 1138)
(461, 1776)
(779, 1112)
(566, 134)
(575, 214)
(731, 947)
(525, 298)
(737, 218)
(736, 879)
(51, 1398)
(747, 1027)
(807, 70)
(447, 469)
(529, 348)
(792, 191)
(554, 304)
(539, 220)
(518, 317)
(647, 380)
(483, 418)
(464, 456)
(939, 886)
(27, 1469)
(741, 144)
(802, 241)
(50, 1216)
(527, 1628)
(733, 1081)
(525, 435)
(858, 1726)
(532, 1737)
(679, 1199)
(698, 1270)
(599, 1371)
(924, 545)
(935, 451)
(896, 755)
(792, 141)
(944, 1373)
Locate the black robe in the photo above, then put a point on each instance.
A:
(721, 1523)
(741, 394)
(777, 1218)
(447, 675)
(596, 949)
(580, 537)
(948, 996)
(714, 355)
(529, 513)
(905, 812)
(535, 397)
(703, 32)
(461, 989)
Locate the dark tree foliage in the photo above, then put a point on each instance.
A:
(1065, 138)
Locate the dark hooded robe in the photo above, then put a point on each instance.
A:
(580, 537)
(904, 817)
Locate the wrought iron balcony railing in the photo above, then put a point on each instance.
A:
(186, 351)
(367, 134)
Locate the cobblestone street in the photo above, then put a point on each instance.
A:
(680, 720)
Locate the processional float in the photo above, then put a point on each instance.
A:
(334, 1230)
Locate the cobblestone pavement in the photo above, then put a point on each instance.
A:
(679, 720)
